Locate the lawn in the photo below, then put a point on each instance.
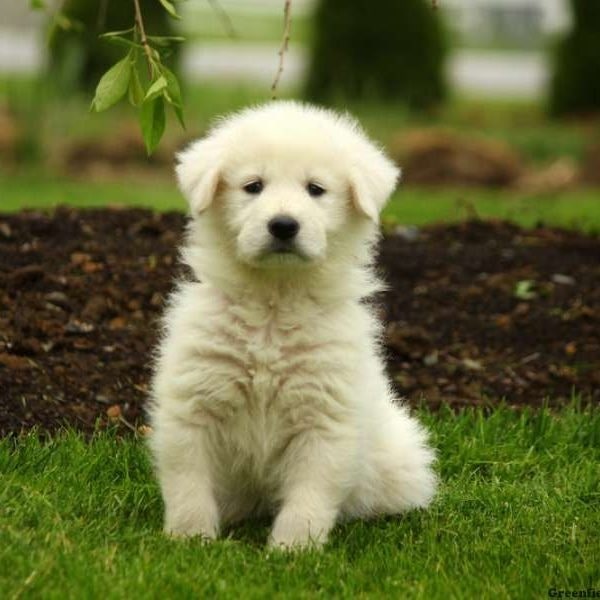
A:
(517, 514)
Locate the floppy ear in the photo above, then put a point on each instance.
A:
(198, 173)
(372, 181)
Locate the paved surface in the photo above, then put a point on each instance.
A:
(483, 74)
(21, 51)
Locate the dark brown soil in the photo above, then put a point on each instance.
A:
(477, 312)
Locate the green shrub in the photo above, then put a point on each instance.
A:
(385, 50)
(575, 84)
(78, 57)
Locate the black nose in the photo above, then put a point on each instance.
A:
(283, 227)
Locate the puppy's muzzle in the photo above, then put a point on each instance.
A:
(284, 237)
(283, 228)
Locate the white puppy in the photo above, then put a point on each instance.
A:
(269, 395)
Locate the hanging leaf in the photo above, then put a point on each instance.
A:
(121, 41)
(157, 88)
(67, 23)
(37, 4)
(117, 33)
(165, 40)
(113, 85)
(173, 95)
(136, 91)
(178, 110)
(152, 122)
(173, 87)
(170, 8)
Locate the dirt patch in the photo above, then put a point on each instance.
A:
(560, 175)
(123, 152)
(484, 310)
(439, 157)
(111, 156)
(10, 135)
(476, 312)
(591, 165)
(435, 157)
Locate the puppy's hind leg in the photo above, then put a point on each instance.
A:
(398, 473)
(183, 470)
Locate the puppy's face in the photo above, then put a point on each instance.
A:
(286, 180)
(283, 203)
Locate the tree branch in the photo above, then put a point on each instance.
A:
(287, 24)
(102, 10)
(143, 39)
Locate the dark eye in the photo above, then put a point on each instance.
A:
(254, 187)
(314, 189)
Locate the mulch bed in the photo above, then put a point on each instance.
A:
(477, 312)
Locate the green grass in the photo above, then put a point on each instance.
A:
(517, 513)
(579, 209)
(41, 191)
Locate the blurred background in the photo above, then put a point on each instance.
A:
(490, 106)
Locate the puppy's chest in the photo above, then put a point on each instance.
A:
(271, 363)
(270, 356)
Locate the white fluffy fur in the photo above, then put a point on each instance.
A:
(269, 395)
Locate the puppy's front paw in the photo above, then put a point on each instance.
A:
(206, 528)
(295, 532)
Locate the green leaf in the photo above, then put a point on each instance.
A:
(123, 32)
(156, 89)
(165, 40)
(113, 85)
(37, 4)
(178, 110)
(135, 91)
(119, 37)
(170, 8)
(172, 84)
(152, 122)
(121, 41)
(524, 290)
(66, 23)
(173, 95)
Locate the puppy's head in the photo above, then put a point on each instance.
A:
(286, 180)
